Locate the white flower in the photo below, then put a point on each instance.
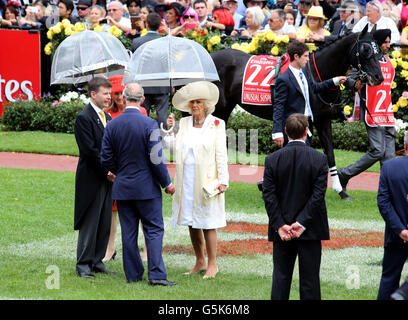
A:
(400, 125)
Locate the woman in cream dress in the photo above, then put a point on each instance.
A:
(200, 149)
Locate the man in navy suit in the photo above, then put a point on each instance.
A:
(157, 96)
(294, 188)
(294, 92)
(131, 149)
(392, 200)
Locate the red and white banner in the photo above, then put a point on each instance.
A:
(258, 76)
(379, 103)
(20, 70)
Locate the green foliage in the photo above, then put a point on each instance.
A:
(42, 116)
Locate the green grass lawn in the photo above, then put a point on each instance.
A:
(61, 143)
(37, 233)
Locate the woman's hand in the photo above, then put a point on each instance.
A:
(170, 120)
(222, 188)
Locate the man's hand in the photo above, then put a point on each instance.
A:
(296, 230)
(279, 142)
(170, 189)
(285, 232)
(111, 177)
(342, 79)
(404, 235)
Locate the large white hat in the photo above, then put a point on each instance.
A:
(196, 90)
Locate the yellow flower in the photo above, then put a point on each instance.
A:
(396, 54)
(215, 40)
(405, 65)
(143, 32)
(342, 87)
(275, 51)
(393, 62)
(68, 31)
(79, 26)
(48, 48)
(235, 46)
(98, 27)
(56, 29)
(65, 23)
(209, 46)
(252, 47)
(285, 38)
(270, 36)
(393, 85)
(194, 34)
(117, 33)
(347, 110)
(395, 108)
(403, 102)
(50, 33)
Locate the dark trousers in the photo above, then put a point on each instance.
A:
(149, 212)
(161, 103)
(395, 256)
(94, 231)
(284, 257)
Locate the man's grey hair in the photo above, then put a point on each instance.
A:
(281, 14)
(133, 92)
(406, 137)
(376, 4)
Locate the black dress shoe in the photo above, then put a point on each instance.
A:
(85, 274)
(163, 282)
(343, 180)
(402, 292)
(344, 196)
(102, 270)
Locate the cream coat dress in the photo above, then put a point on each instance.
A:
(201, 157)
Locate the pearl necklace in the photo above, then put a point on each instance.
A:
(199, 121)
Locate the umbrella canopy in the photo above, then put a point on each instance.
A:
(86, 53)
(170, 61)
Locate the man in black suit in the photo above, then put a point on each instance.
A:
(294, 187)
(294, 92)
(93, 183)
(157, 96)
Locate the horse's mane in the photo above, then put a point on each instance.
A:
(332, 41)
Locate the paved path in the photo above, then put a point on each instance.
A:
(244, 173)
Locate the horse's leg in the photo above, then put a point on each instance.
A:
(324, 130)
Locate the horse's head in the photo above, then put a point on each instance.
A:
(365, 58)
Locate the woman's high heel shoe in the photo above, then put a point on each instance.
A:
(111, 258)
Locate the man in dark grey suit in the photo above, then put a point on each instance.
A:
(93, 182)
(348, 16)
(294, 188)
(157, 96)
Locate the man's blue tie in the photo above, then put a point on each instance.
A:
(305, 93)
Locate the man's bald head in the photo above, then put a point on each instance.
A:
(133, 93)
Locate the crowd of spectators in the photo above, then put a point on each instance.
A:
(310, 21)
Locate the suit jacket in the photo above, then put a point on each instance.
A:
(289, 98)
(392, 198)
(294, 187)
(337, 26)
(137, 42)
(90, 173)
(132, 149)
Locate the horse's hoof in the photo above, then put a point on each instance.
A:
(344, 196)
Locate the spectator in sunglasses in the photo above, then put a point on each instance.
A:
(188, 22)
(84, 10)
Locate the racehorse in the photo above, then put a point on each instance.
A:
(357, 50)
